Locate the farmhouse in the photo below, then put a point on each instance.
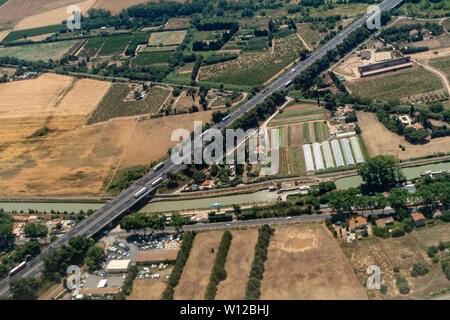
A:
(384, 66)
(419, 219)
(357, 222)
(384, 222)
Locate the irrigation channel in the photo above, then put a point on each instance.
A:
(263, 196)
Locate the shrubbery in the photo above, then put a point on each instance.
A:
(218, 272)
(419, 269)
(402, 285)
(256, 273)
(177, 270)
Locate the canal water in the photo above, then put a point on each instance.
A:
(204, 203)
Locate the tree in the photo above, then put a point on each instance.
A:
(381, 201)
(380, 173)
(156, 221)
(24, 288)
(3, 271)
(177, 221)
(94, 256)
(35, 230)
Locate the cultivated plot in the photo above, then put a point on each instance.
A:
(305, 262)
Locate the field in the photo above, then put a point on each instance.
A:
(150, 289)
(74, 168)
(38, 51)
(311, 37)
(305, 263)
(167, 38)
(50, 95)
(254, 68)
(51, 17)
(91, 47)
(238, 264)
(14, 10)
(115, 6)
(115, 45)
(195, 277)
(29, 33)
(442, 63)
(299, 113)
(396, 85)
(158, 57)
(114, 106)
(177, 23)
(403, 253)
(380, 140)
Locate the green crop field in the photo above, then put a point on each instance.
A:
(306, 132)
(253, 69)
(396, 85)
(162, 48)
(167, 38)
(152, 58)
(283, 122)
(115, 45)
(20, 34)
(289, 113)
(113, 106)
(92, 46)
(38, 51)
(296, 160)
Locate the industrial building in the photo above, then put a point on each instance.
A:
(118, 266)
(384, 66)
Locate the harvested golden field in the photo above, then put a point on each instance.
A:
(3, 34)
(239, 260)
(73, 162)
(50, 94)
(52, 17)
(197, 270)
(145, 148)
(74, 168)
(402, 252)
(177, 23)
(305, 263)
(380, 140)
(14, 10)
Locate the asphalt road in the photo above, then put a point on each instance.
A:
(127, 200)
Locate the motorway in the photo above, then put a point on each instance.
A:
(126, 200)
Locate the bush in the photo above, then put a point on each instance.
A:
(419, 269)
(396, 269)
(432, 251)
(182, 257)
(383, 288)
(398, 231)
(435, 259)
(218, 272)
(381, 232)
(445, 265)
(402, 285)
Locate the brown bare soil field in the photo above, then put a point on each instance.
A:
(177, 23)
(51, 17)
(238, 264)
(297, 135)
(145, 148)
(150, 289)
(157, 255)
(184, 102)
(304, 263)
(19, 9)
(380, 140)
(403, 253)
(197, 270)
(50, 94)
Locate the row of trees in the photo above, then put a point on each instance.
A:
(177, 270)
(154, 221)
(253, 291)
(218, 272)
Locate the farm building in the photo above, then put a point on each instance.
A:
(118, 266)
(100, 292)
(385, 66)
(357, 222)
(384, 222)
(419, 219)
